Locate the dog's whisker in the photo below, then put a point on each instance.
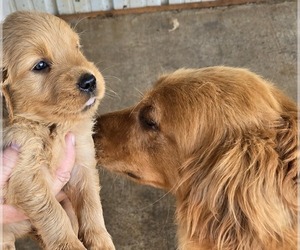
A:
(158, 200)
(78, 22)
(112, 77)
(81, 33)
(133, 109)
(153, 203)
(140, 93)
(110, 67)
(97, 64)
(112, 94)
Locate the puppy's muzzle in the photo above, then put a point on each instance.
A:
(87, 83)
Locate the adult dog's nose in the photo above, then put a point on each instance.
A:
(87, 83)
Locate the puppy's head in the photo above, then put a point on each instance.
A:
(46, 76)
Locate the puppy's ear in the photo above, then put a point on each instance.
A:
(243, 185)
(3, 74)
(6, 98)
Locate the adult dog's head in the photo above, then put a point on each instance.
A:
(224, 141)
(45, 75)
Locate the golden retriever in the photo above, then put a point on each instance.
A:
(50, 88)
(224, 141)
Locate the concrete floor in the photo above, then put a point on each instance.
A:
(132, 50)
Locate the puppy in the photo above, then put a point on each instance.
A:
(224, 142)
(50, 88)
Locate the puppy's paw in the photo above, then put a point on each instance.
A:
(67, 205)
(75, 225)
(101, 241)
(8, 246)
(76, 245)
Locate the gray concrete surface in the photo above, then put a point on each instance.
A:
(132, 50)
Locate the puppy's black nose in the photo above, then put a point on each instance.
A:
(87, 83)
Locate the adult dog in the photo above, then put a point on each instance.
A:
(224, 142)
(50, 88)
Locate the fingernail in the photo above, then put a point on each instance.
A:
(72, 137)
(15, 146)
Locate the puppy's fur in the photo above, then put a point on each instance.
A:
(224, 142)
(50, 88)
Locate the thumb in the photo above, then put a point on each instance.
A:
(9, 160)
(63, 172)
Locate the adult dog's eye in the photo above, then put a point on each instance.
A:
(149, 123)
(129, 174)
(41, 65)
(146, 120)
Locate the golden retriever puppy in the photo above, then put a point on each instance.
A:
(224, 142)
(50, 88)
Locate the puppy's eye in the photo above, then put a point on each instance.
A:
(146, 120)
(41, 65)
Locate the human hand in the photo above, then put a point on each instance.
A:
(63, 173)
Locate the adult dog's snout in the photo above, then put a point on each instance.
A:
(87, 83)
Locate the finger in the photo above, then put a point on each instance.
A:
(9, 160)
(61, 196)
(11, 214)
(63, 173)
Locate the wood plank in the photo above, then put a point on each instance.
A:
(45, 6)
(176, 1)
(82, 6)
(150, 9)
(154, 2)
(65, 7)
(137, 3)
(24, 5)
(100, 5)
(6, 10)
(120, 4)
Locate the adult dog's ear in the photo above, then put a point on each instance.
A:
(247, 185)
(6, 98)
(287, 148)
